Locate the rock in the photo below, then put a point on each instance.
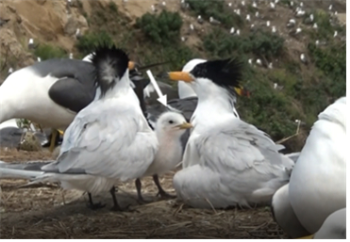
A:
(29, 142)
(75, 22)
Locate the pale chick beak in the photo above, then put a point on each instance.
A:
(185, 126)
(307, 237)
(180, 76)
(131, 65)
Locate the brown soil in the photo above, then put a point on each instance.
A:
(50, 212)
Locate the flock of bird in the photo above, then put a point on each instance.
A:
(115, 132)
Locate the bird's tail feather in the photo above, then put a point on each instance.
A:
(29, 170)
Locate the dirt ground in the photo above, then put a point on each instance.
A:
(50, 212)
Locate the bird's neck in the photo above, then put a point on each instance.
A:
(211, 111)
(122, 88)
(7, 109)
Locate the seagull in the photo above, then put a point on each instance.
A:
(9, 72)
(183, 38)
(315, 26)
(254, 5)
(301, 4)
(227, 162)
(291, 23)
(232, 30)
(252, 26)
(268, 23)
(272, 5)
(330, 7)
(259, 62)
(291, 3)
(169, 128)
(250, 61)
(317, 42)
(335, 34)
(295, 32)
(153, 8)
(270, 66)
(257, 14)
(214, 21)
(109, 141)
(303, 59)
(248, 18)
(296, 206)
(191, 27)
(70, 55)
(199, 19)
(229, 4)
(274, 29)
(300, 13)
(31, 44)
(38, 59)
(309, 20)
(53, 92)
(237, 11)
(243, 3)
(238, 32)
(163, 5)
(77, 33)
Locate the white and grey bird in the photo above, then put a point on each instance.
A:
(9, 72)
(254, 5)
(108, 142)
(272, 6)
(199, 19)
(248, 17)
(38, 59)
(330, 7)
(273, 29)
(229, 4)
(335, 34)
(227, 162)
(183, 38)
(291, 23)
(323, 157)
(300, 13)
(237, 11)
(243, 3)
(250, 61)
(257, 14)
(270, 66)
(315, 26)
(77, 33)
(303, 58)
(268, 23)
(169, 128)
(232, 30)
(214, 21)
(258, 62)
(238, 32)
(301, 4)
(31, 43)
(71, 56)
(295, 32)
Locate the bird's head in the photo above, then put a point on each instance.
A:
(112, 66)
(212, 77)
(172, 123)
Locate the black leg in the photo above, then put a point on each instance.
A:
(138, 185)
(93, 205)
(161, 192)
(116, 206)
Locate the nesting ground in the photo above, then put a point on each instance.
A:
(50, 212)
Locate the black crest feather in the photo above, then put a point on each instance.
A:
(226, 73)
(111, 64)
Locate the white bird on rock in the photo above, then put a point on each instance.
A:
(227, 162)
(303, 205)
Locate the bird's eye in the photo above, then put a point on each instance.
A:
(171, 121)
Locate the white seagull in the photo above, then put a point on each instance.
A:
(227, 162)
(302, 206)
(109, 141)
(169, 128)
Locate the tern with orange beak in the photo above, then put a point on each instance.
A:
(227, 162)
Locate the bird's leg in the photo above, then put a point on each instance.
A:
(116, 206)
(161, 192)
(93, 205)
(54, 134)
(139, 194)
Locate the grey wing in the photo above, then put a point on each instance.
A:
(72, 94)
(240, 147)
(108, 144)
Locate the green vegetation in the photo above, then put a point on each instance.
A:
(262, 44)
(161, 29)
(88, 42)
(47, 51)
(113, 7)
(216, 9)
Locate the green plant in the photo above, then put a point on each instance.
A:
(47, 51)
(163, 28)
(88, 42)
(113, 7)
(217, 10)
